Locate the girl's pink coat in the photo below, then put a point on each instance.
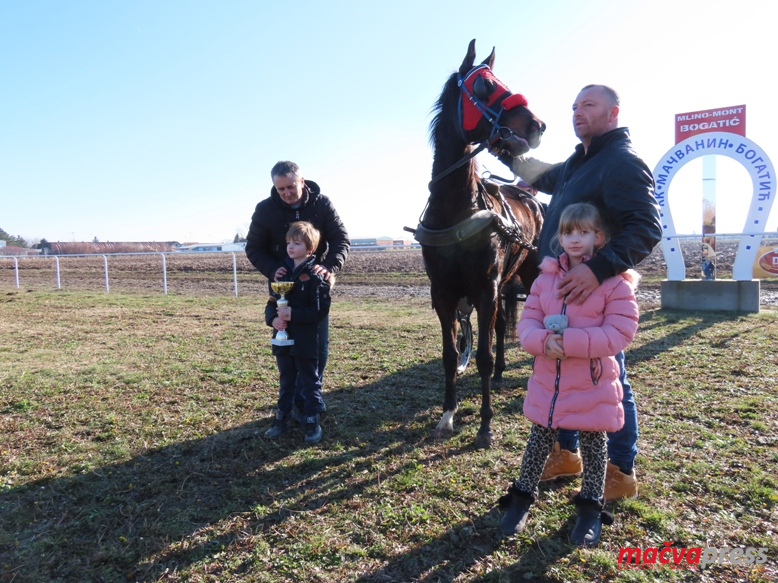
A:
(598, 329)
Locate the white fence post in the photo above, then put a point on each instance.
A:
(164, 273)
(105, 264)
(57, 270)
(235, 273)
(16, 272)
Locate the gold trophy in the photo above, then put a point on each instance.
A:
(282, 288)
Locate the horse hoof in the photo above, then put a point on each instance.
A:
(484, 440)
(496, 381)
(442, 434)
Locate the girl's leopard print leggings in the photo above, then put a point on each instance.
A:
(594, 452)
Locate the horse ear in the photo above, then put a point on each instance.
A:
(467, 64)
(489, 61)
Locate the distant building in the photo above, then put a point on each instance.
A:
(8, 250)
(377, 242)
(203, 247)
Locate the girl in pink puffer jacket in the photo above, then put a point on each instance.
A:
(575, 377)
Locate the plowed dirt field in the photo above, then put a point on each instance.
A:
(367, 273)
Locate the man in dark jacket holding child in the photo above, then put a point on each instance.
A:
(605, 171)
(293, 199)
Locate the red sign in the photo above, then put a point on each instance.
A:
(723, 119)
(769, 262)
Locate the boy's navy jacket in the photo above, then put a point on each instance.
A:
(310, 303)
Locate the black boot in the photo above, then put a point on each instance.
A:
(516, 505)
(298, 415)
(588, 526)
(312, 429)
(279, 425)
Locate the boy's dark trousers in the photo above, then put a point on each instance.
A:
(324, 343)
(290, 368)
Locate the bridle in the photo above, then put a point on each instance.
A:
(498, 132)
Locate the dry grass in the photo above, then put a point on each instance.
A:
(133, 450)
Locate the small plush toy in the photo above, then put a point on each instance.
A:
(555, 322)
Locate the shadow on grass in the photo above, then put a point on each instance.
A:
(465, 545)
(649, 321)
(169, 508)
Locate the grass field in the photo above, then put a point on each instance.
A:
(132, 450)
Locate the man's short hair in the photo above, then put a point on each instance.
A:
(304, 232)
(285, 168)
(610, 93)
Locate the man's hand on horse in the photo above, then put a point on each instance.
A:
(578, 284)
(322, 272)
(503, 155)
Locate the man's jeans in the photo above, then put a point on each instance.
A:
(324, 348)
(622, 444)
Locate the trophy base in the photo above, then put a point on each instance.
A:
(277, 342)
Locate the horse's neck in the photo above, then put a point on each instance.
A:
(455, 196)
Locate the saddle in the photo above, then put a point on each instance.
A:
(504, 223)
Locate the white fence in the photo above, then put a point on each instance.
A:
(205, 272)
(163, 265)
(208, 272)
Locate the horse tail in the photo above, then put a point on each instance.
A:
(510, 293)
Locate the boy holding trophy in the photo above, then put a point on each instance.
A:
(295, 322)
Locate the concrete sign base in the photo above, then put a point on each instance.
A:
(719, 295)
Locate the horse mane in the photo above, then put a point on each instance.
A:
(444, 134)
(449, 94)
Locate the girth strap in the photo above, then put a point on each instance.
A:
(459, 232)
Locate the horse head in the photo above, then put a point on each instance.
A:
(489, 112)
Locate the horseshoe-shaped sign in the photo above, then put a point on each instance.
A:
(759, 167)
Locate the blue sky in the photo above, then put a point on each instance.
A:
(147, 120)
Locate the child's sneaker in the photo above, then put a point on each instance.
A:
(279, 425)
(312, 429)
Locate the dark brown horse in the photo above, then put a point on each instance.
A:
(473, 238)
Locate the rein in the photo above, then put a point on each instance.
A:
(503, 133)
(460, 163)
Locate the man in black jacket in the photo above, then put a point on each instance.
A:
(292, 199)
(604, 170)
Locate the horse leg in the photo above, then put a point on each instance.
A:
(487, 312)
(447, 317)
(499, 348)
